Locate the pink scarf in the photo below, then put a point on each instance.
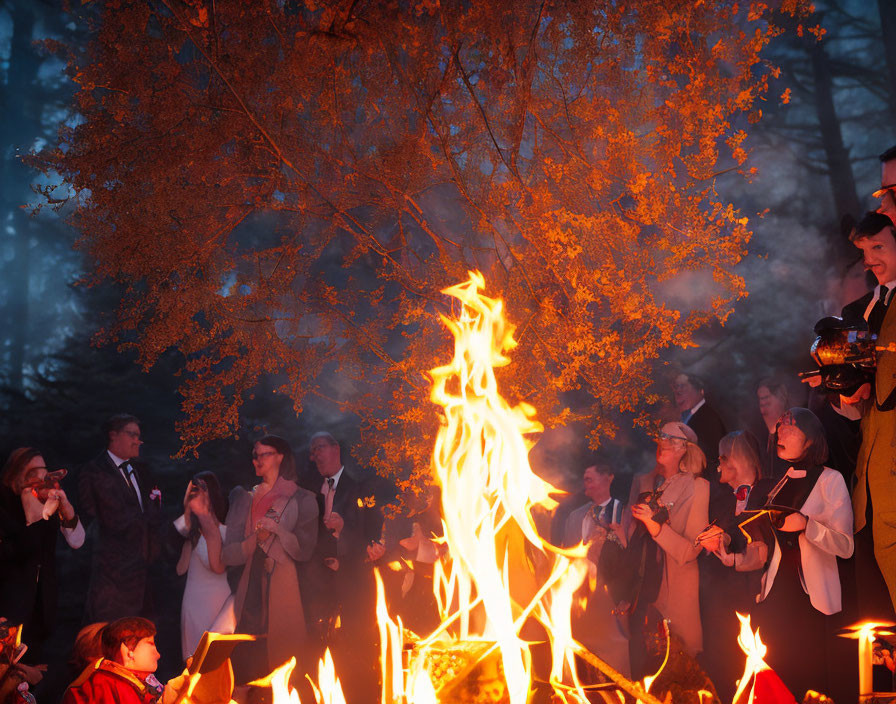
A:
(283, 488)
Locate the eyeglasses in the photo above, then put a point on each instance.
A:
(318, 448)
(666, 436)
(883, 189)
(133, 433)
(259, 455)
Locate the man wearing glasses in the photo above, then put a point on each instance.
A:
(124, 512)
(339, 589)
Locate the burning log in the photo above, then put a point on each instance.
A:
(466, 673)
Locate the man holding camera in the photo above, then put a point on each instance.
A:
(874, 501)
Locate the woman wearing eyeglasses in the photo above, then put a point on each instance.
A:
(270, 529)
(671, 504)
(814, 526)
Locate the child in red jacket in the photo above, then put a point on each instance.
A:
(124, 675)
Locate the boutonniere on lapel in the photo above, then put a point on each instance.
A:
(155, 495)
(366, 502)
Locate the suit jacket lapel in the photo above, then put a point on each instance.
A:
(343, 492)
(126, 488)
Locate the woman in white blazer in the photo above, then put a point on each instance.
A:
(801, 586)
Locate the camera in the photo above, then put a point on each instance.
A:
(654, 500)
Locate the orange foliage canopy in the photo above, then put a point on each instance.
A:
(285, 187)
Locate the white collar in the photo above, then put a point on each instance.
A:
(116, 459)
(697, 407)
(336, 478)
(891, 286)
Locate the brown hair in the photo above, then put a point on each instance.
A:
(776, 386)
(88, 646)
(11, 476)
(130, 631)
(288, 464)
(870, 224)
(117, 423)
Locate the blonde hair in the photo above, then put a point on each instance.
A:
(694, 461)
(742, 446)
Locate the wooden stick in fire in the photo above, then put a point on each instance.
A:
(631, 688)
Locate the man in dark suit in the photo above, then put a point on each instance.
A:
(340, 598)
(118, 499)
(690, 399)
(597, 625)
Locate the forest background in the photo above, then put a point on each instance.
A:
(826, 117)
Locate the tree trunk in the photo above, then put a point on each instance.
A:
(20, 127)
(887, 10)
(843, 185)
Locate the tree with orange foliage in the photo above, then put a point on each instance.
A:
(286, 186)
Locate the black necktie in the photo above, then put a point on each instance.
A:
(128, 474)
(876, 316)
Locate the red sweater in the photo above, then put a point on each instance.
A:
(107, 682)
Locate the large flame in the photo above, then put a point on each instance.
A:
(488, 489)
(497, 574)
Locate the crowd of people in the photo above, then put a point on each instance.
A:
(288, 559)
(793, 528)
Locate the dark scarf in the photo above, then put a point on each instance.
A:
(792, 491)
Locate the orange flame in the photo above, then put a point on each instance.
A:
(278, 681)
(755, 650)
(328, 690)
(480, 460)
(486, 587)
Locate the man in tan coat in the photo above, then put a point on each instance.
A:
(874, 495)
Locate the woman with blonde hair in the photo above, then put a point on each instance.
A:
(670, 505)
(731, 570)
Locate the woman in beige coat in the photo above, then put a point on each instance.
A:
(270, 529)
(676, 483)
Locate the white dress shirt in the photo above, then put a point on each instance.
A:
(891, 286)
(128, 477)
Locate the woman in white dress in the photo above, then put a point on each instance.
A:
(208, 603)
